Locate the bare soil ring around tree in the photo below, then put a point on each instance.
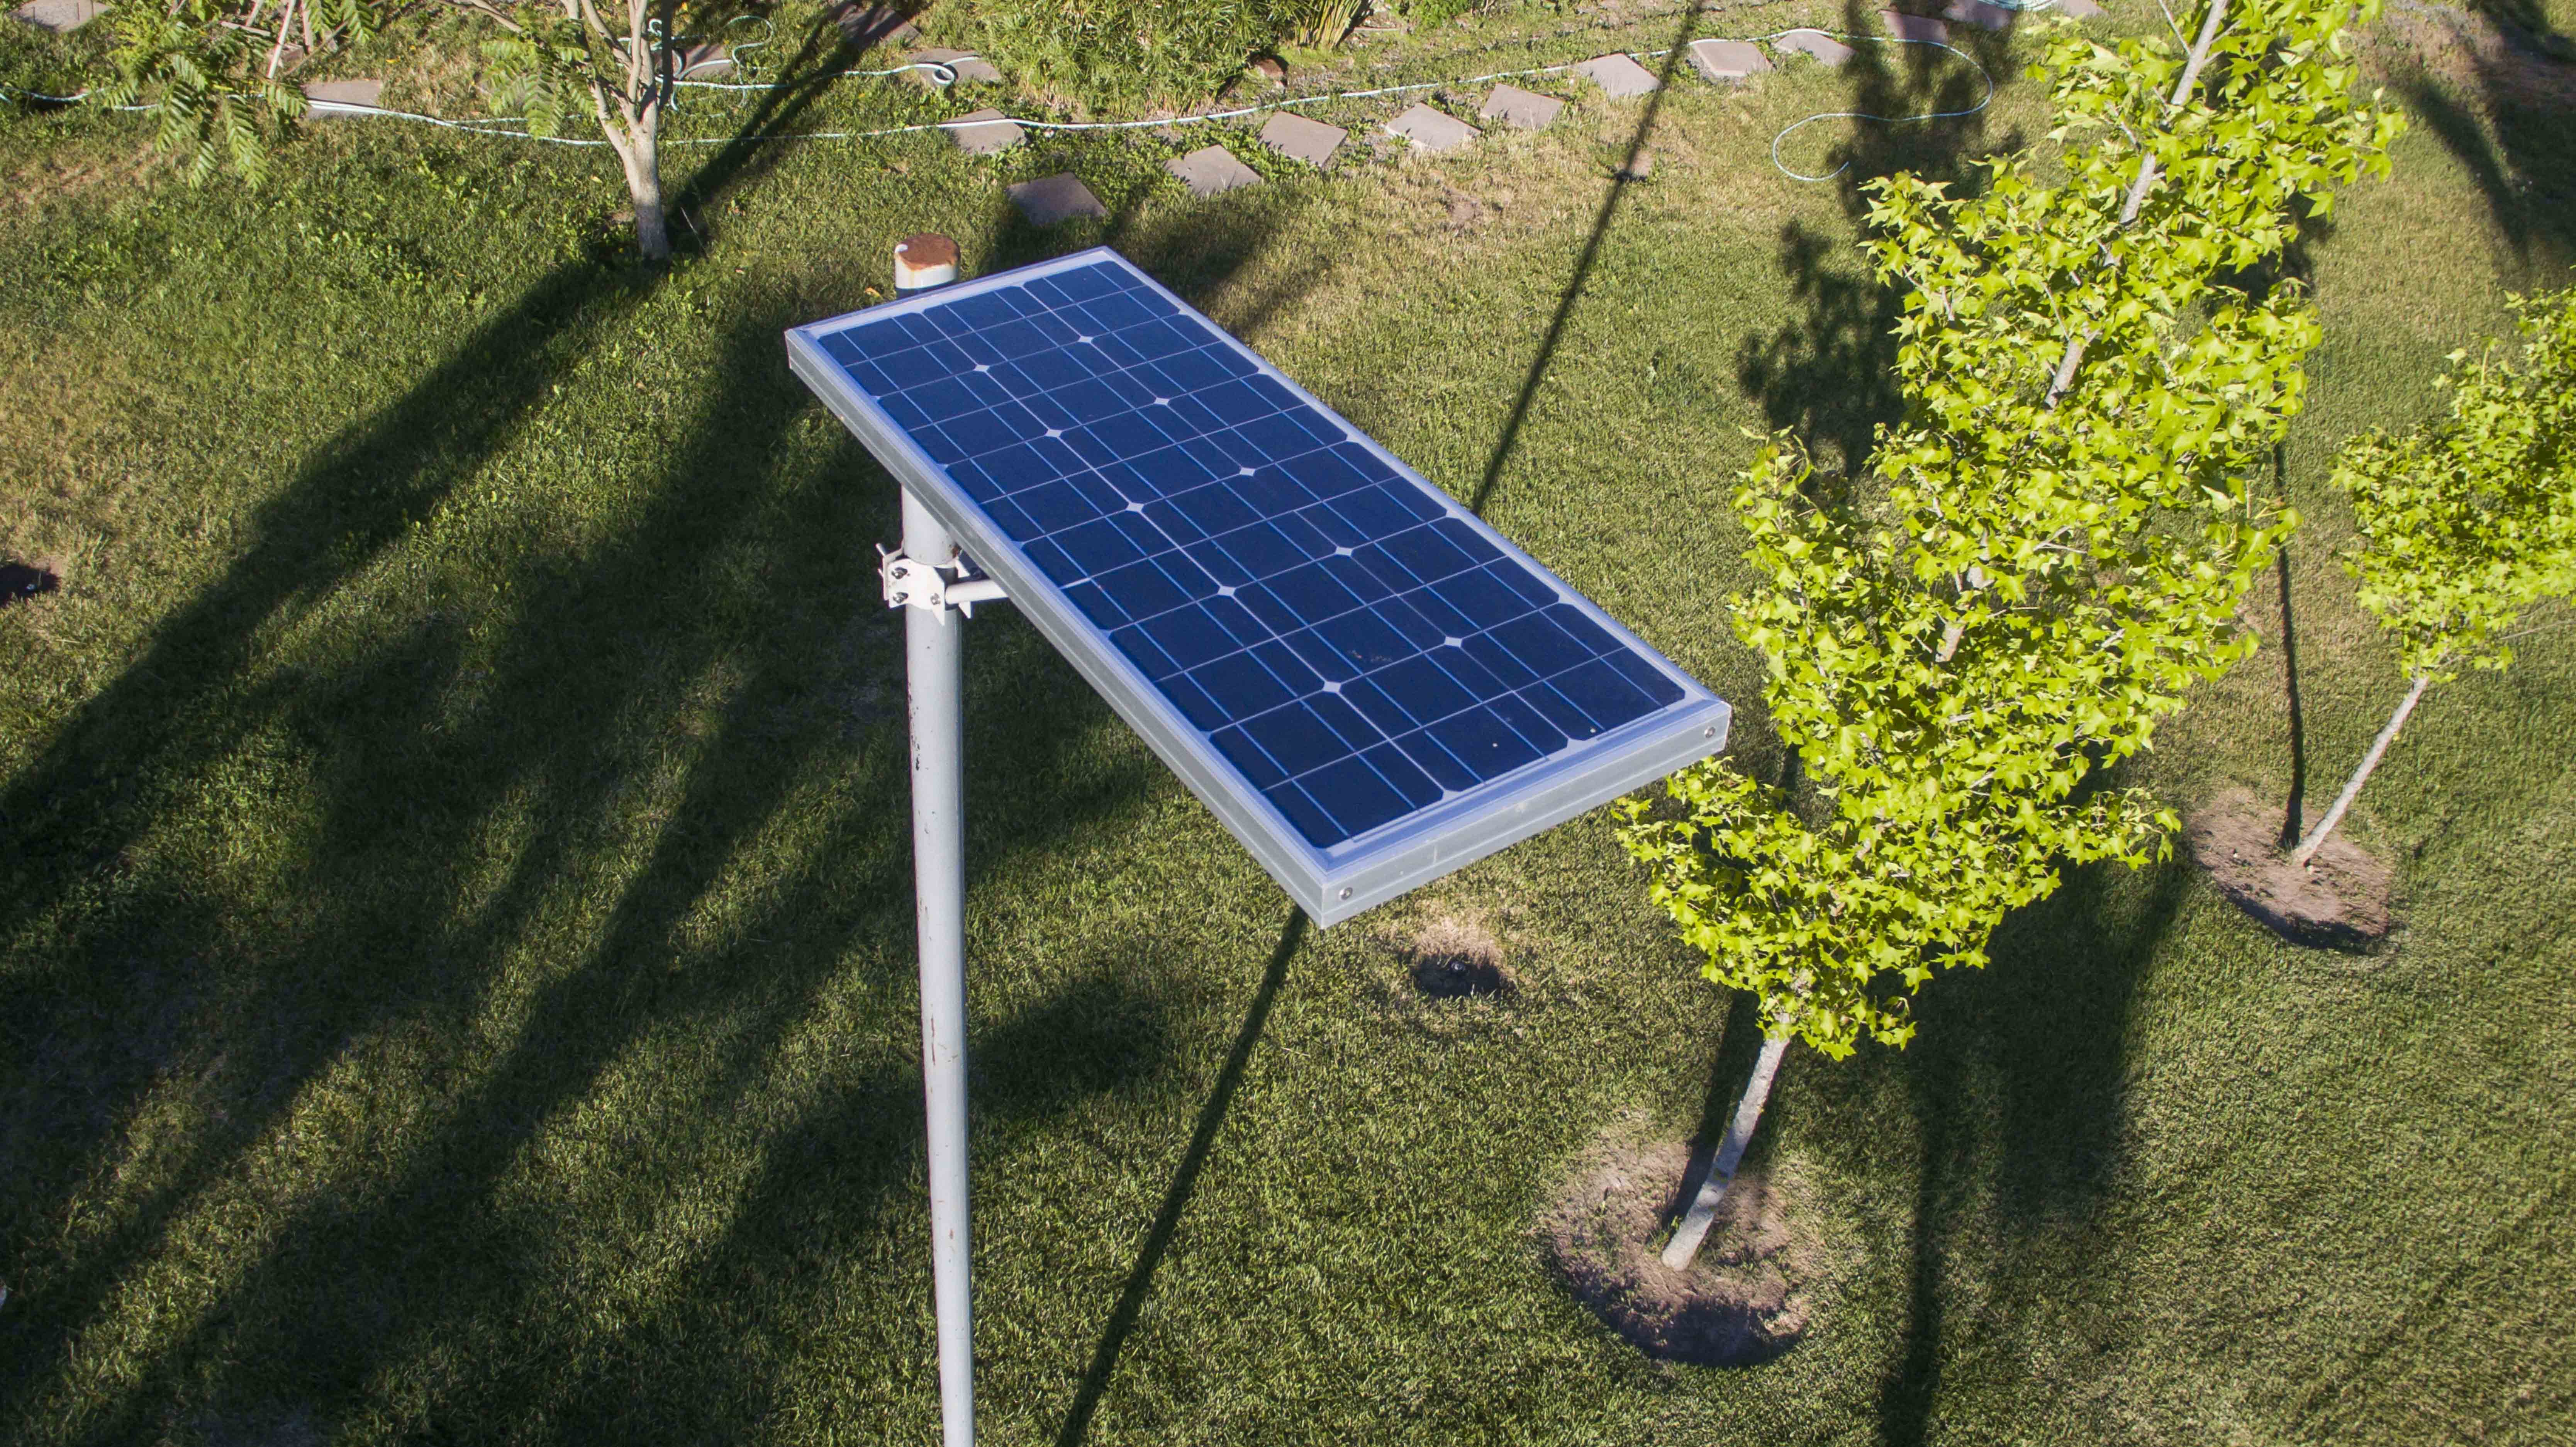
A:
(1750, 1296)
(2342, 899)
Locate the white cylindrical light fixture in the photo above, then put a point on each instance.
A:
(922, 262)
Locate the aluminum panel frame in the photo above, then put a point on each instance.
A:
(1368, 869)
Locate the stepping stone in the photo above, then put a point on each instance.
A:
(1051, 199)
(700, 61)
(968, 68)
(1826, 49)
(1433, 131)
(1726, 62)
(368, 93)
(1212, 171)
(1526, 109)
(1914, 27)
(1301, 139)
(2080, 9)
(1979, 14)
(1618, 76)
(866, 25)
(61, 17)
(981, 133)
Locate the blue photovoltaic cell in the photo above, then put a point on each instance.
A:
(1348, 641)
(1351, 645)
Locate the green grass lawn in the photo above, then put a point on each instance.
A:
(455, 973)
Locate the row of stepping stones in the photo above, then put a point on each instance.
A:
(1214, 170)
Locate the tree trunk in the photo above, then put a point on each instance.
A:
(277, 52)
(1721, 1172)
(637, 151)
(2316, 839)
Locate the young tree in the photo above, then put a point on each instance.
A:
(2466, 522)
(2042, 555)
(554, 56)
(212, 70)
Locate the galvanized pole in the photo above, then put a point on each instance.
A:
(932, 658)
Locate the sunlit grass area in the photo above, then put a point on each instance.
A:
(455, 944)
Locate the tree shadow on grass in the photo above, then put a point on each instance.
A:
(1830, 375)
(411, 786)
(819, 1238)
(2501, 104)
(2293, 816)
(1197, 249)
(1508, 440)
(2024, 1065)
(542, 848)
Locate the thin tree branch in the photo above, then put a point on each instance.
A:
(277, 52)
(2147, 172)
(495, 14)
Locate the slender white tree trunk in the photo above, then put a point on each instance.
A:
(630, 116)
(277, 52)
(634, 132)
(2316, 839)
(643, 161)
(1693, 1229)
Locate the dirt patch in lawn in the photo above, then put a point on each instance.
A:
(23, 582)
(1745, 1300)
(1454, 958)
(2342, 899)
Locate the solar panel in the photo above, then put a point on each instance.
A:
(1368, 685)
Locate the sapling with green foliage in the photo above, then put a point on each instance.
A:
(560, 59)
(2043, 555)
(214, 72)
(2468, 521)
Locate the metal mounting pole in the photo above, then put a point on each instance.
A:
(932, 651)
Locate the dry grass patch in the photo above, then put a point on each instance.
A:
(72, 171)
(1456, 957)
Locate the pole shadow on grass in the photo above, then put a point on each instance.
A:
(2293, 821)
(451, 844)
(1509, 438)
(1176, 1199)
(2025, 1064)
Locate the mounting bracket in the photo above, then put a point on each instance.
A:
(912, 583)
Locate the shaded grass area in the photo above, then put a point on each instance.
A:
(455, 971)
